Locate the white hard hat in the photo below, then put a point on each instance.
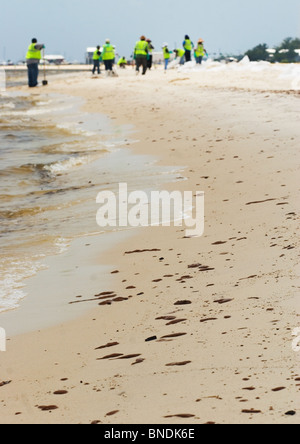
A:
(164, 45)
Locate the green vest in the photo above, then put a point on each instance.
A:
(167, 54)
(33, 53)
(180, 52)
(200, 52)
(188, 46)
(108, 52)
(122, 62)
(141, 48)
(96, 56)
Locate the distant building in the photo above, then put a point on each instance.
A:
(55, 59)
(89, 55)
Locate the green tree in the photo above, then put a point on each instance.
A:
(285, 52)
(258, 53)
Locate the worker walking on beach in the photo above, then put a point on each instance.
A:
(188, 46)
(167, 55)
(150, 54)
(200, 51)
(33, 58)
(108, 57)
(141, 52)
(96, 60)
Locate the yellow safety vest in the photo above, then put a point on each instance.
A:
(108, 52)
(33, 53)
(188, 45)
(96, 55)
(200, 51)
(180, 52)
(167, 54)
(141, 48)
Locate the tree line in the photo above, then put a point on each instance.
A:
(284, 53)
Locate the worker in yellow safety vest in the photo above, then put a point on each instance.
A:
(150, 54)
(200, 51)
(180, 53)
(96, 60)
(108, 56)
(141, 51)
(167, 55)
(33, 58)
(122, 63)
(188, 47)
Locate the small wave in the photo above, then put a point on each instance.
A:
(15, 214)
(62, 245)
(68, 164)
(9, 105)
(12, 282)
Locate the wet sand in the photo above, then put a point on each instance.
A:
(187, 330)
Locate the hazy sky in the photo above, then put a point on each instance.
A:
(68, 27)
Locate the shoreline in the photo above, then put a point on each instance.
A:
(230, 157)
(111, 142)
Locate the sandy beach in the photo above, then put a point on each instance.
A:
(169, 329)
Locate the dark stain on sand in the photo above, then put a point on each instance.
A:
(110, 344)
(178, 364)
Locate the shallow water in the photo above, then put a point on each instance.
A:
(54, 160)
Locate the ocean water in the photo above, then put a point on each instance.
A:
(54, 160)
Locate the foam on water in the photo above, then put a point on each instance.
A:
(68, 164)
(12, 278)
